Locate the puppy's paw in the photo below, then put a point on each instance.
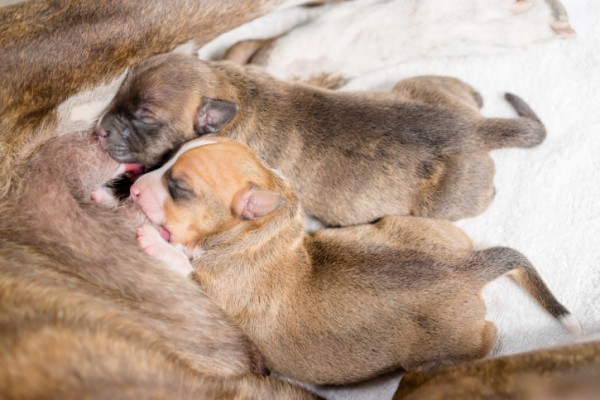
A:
(152, 243)
(104, 197)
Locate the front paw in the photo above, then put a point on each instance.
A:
(152, 243)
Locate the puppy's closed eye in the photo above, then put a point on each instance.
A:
(145, 115)
(178, 188)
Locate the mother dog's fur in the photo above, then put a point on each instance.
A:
(50, 50)
(83, 312)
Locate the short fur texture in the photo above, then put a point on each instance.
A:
(84, 313)
(568, 372)
(421, 149)
(338, 306)
(42, 65)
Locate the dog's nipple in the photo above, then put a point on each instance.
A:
(134, 193)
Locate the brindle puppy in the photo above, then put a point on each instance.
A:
(351, 157)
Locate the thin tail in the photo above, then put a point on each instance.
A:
(525, 131)
(496, 261)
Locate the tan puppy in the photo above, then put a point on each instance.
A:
(341, 305)
(351, 157)
(85, 314)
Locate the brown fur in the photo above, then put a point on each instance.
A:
(42, 65)
(84, 313)
(338, 306)
(351, 157)
(568, 372)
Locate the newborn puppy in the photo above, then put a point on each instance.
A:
(339, 306)
(352, 158)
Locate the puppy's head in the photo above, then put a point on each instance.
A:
(162, 103)
(211, 187)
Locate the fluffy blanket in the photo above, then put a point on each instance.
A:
(546, 204)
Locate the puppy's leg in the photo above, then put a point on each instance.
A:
(154, 245)
(440, 91)
(465, 187)
(488, 338)
(477, 344)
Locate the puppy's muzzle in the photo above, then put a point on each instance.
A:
(114, 137)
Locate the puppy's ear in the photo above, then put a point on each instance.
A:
(214, 114)
(254, 202)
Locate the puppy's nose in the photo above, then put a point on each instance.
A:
(101, 133)
(134, 193)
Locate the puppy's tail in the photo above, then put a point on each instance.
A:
(525, 131)
(491, 263)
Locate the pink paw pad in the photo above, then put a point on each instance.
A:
(150, 241)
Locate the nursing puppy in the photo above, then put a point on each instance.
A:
(54, 85)
(351, 157)
(85, 314)
(341, 305)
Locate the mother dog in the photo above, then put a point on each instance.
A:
(83, 313)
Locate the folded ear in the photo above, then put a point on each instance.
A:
(253, 202)
(214, 114)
